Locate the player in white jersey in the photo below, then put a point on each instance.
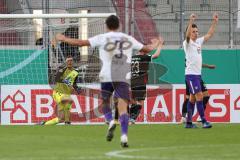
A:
(193, 54)
(115, 49)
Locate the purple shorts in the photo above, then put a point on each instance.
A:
(194, 83)
(120, 89)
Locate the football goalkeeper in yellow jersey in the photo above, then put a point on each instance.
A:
(66, 84)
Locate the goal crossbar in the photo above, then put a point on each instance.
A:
(52, 16)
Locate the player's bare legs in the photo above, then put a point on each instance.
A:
(122, 106)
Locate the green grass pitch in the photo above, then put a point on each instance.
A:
(163, 142)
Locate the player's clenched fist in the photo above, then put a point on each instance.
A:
(215, 17)
(193, 17)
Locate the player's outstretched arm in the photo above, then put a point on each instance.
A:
(72, 41)
(189, 28)
(146, 49)
(149, 47)
(208, 66)
(159, 47)
(212, 28)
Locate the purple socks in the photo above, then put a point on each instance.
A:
(107, 113)
(190, 110)
(200, 109)
(124, 123)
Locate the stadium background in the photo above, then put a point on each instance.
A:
(28, 63)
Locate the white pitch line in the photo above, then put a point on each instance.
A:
(122, 153)
(56, 158)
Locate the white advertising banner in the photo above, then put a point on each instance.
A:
(31, 104)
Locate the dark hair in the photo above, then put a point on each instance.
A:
(39, 41)
(193, 26)
(69, 56)
(71, 32)
(112, 22)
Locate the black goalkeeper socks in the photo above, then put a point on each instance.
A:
(205, 102)
(184, 107)
(135, 111)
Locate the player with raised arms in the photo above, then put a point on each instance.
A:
(192, 46)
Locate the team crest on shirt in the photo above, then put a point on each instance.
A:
(199, 50)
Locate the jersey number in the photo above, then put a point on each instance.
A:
(120, 45)
(135, 67)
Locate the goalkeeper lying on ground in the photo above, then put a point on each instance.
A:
(66, 84)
